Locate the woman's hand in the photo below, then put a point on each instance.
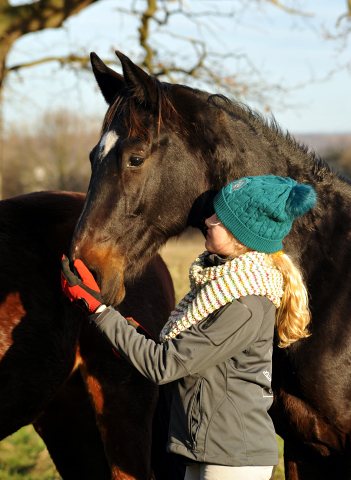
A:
(80, 287)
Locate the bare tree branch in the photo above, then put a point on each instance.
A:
(148, 14)
(41, 14)
(345, 16)
(83, 62)
(291, 11)
(18, 20)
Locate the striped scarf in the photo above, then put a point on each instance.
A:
(211, 287)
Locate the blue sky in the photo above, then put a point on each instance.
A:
(288, 50)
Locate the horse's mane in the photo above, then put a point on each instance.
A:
(271, 130)
(260, 124)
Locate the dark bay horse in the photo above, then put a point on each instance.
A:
(165, 151)
(92, 409)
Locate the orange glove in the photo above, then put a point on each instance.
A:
(79, 285)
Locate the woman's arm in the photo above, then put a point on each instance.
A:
(192, 351)
(155, 361)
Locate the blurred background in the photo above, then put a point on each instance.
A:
(285, 58)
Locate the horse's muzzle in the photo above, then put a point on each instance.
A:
(106, 266)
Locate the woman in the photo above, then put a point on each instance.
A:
(216, 347)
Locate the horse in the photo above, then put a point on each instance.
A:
(92, 409)
(165, 151)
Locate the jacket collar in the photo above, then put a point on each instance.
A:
(214, 260)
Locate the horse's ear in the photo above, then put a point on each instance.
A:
(109, 81)
(143, 86)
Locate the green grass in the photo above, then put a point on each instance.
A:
(279, 473)
(23, 455)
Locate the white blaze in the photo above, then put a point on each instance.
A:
(107, 142)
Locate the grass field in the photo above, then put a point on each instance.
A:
(23, 455)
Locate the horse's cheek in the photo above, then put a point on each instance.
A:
(11, 313)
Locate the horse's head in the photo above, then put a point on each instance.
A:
(149, 170)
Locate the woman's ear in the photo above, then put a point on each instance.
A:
(237, 244)
(240, 247)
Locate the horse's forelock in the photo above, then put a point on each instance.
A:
(170, 108)
(130, 111)
(114, 109)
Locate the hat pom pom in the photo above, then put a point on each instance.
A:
(302, 197)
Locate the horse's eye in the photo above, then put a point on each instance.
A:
(135, 161)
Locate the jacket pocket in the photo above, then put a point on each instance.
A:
(226, 434)
(195, 412)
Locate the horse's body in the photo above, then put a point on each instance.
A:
(165, 151)
(93, 410)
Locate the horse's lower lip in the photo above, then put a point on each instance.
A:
(110, 295)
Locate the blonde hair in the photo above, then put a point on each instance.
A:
(293, 315)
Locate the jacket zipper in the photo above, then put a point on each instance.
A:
(198, 401)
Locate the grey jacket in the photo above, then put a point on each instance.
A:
(220, 370)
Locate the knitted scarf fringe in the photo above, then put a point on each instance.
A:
(213, 287)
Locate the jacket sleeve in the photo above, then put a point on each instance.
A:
(192, 351)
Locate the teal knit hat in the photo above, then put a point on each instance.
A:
(259, 211)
